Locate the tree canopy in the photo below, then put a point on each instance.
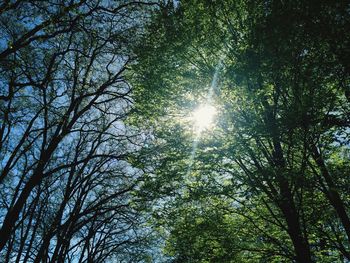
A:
(269, 182)
(175, 131)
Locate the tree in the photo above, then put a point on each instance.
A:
(283, 135)
(66, 183)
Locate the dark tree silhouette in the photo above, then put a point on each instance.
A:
(65, 181)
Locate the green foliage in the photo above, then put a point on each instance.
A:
(281, 145)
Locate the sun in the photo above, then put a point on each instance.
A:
(203, 117)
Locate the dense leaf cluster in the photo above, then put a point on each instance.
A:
(270, 182)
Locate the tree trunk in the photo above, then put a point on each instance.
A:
(332, 193)
(300, 242)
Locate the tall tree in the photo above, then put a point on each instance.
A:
(282, 137)
(66, 185)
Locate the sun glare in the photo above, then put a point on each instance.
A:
(203, 117)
